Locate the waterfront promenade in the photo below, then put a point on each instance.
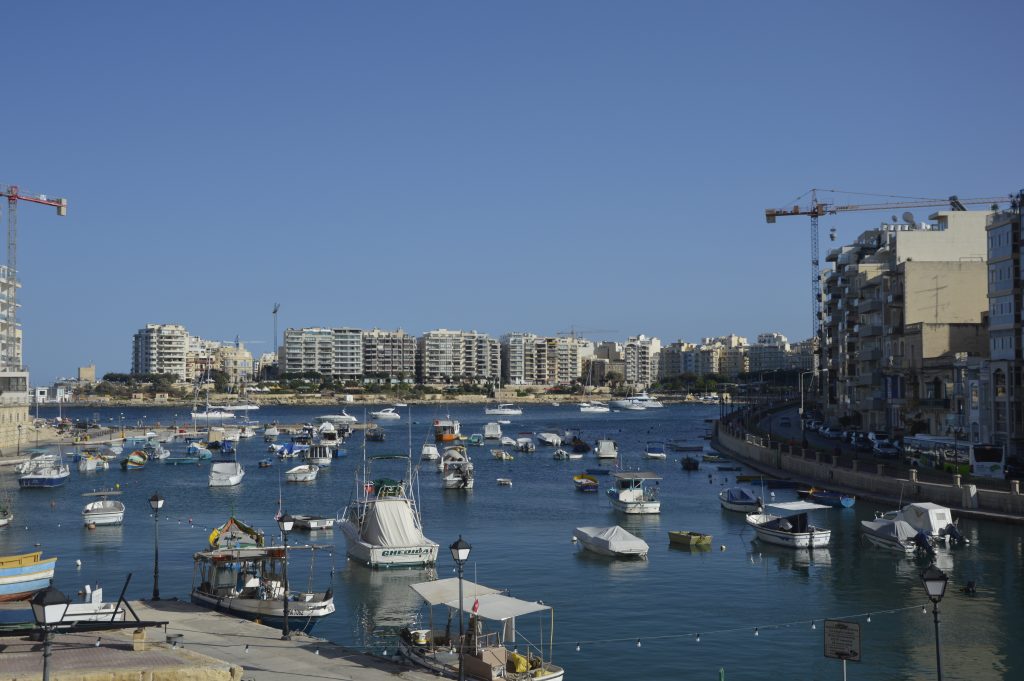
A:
(210, 647)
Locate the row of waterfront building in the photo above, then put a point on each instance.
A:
(453, 356)
(921, 328)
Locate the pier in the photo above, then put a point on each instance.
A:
(195, 645)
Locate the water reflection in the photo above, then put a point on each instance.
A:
(383, 600)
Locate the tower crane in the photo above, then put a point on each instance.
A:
(817, 208)
(10, 358)
(573, 332)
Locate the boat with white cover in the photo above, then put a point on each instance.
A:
(487, 656)
(103, 511)
(790, 527)
(226, 474)
(606, 449)
(611, 541)
(428, 452)
(492, 431)
(934, 520)
(45, 473)
(739, 499)
(655, 449)
(630, 494)
(270, 433)
(386, 414)
(303, 473)
(312, 522)
(382, 523)
(895, 535)
(638, 401)
(507, 441)
(504, 409)
(321, 455)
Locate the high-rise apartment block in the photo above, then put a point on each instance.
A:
(640, 355)
(389, 355)
(529, 359)
(160, 349)
(446, 356)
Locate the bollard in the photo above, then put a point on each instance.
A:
(835, 460)
(1015, 487)
(817, 457)
(913, 475)
(957, 480)
(854, 467)
(881, 469)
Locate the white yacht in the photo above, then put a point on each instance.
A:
(337, 419)
(641, 400)
(606, 449)
(382, 524)
(492, 431)
(594, 408)
(504, 409)
(226, 474)
(456, 469)
(630, 496)
(212, 414)
(104, 511)
(386, 414)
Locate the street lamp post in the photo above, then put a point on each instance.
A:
(19, 439)
(156, 502)
(285, 522)
(802, 374)
(935, 584)
(460, 553)
(48, 608)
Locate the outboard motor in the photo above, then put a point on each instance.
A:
(923, 543)
(953, 532)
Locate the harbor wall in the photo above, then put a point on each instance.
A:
(869, 479)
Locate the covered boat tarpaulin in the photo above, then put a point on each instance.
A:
(897, 530)
(444, 590)
(612, 540)
(739, 495)
(390, 522)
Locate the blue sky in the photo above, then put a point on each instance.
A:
(496, 166)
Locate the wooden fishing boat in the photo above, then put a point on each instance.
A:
(688, 538)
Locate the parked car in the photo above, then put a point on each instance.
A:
(812, 424)
(831, 433)
(876, 436)
(886, 450)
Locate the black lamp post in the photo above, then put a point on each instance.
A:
(48, 608)
(156, 502)
(460, 553)
(285, 522)
(19, 439)
(935, 584)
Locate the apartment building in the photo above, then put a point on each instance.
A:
(445, 356)
(160, 349)
(236, 362)
(389, 355)
(891, 277)
(308, 349)
(10, 358)
(519, 359)
(640, 357)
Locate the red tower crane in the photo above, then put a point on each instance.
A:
(9, 357)
(817, 208)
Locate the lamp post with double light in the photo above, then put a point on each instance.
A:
(460, 554)
(48, 608)
(285, 522)
(935, 584)
(156, 502)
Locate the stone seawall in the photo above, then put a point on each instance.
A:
(871, 480)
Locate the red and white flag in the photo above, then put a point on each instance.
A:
(476, 606)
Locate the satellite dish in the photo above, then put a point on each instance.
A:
(908, 218)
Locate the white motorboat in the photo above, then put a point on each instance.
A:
(212, 415)
(492, 431)
(232, 434)
(896, 535)
(428, 452)
(226, 474)
(313, 522)
(90, 463)
(594, 408)
(563, 455)
(611, 541)
(502, 455)
(655, 449)
(485, 655)
(935, 521)
(549, 439)
(321, 455)
(456, 469)
(504, 409)
(157, 452)
(270, 433)
(507, 441)
(606, 449)
(739, 499)
(246, 407)
(637, 402)
(248, 430)
(103, 511)
(631, 496)
(791, 528)
(525, 444)
(382, 523)
(400, 405)
(45, 473)
(303, 473)
(386, 414)
(337, 419)
(248, 582)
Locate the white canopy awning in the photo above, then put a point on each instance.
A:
(445, 590)
(797, 506)
(494, 606)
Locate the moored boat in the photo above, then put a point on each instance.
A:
(456, 469)
(688, 538)
(103, 511)
(934, 520)
(586, 483)
(630, 494)
(594, 408)
(655, 449)
(225, 474)
(606, 449)
(487, 656)
(45, 473)
(446, 430)
(895, 535)
(824, 496)
(386, 414)
(502, 455)
(739, 499)
(504, 409)
(492, 431)
(611, 541)
(549, 439)
(428, 452)
(303, 473)
(24, 574)
(790, 527)
(312, 522)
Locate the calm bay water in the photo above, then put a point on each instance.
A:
(521, 541)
